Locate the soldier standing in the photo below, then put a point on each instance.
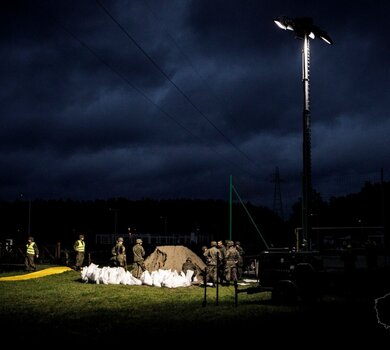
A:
(79, 247)
(32, 252)
(204, 249)
(240, 264)
(232, 258)
(213, 255)
(138, 257)
(119, 253)
(205, 260)
(222, 262)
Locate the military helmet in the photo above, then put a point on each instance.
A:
(238, 243)
(138, 240)
(213, 243)
(120, 239)
(229, 243)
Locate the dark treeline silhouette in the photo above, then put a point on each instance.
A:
(62, 220)
(366, 208)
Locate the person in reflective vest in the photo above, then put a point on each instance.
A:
(32, 252)
(79, 247)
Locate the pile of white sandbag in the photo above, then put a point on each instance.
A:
(108, 275)
(118, 275)
(167, 278)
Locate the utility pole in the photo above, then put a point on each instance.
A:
(278, 205)
(304, 29)
(115, 210)
(29, 218)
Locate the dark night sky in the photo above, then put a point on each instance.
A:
(85, 114)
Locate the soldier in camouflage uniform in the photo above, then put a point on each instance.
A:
(232, 258)
(205, 260)
(204, 249)
(240, 264)
(119, 253)
(222, 264)
(138, 257)
(189, 265)
(213, 255)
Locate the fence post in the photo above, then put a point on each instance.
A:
(58, 251)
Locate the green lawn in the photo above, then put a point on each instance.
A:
(62, 306)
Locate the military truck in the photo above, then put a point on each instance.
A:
(289, 275)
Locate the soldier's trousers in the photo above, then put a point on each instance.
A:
(79, 259)
(139, 267)
(29, 262)
(231, 272)
(212, 273)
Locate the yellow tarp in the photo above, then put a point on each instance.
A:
(37, 274)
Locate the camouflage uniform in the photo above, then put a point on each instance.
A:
(119, 253)
(138, 257)
(189, 265)
(213, 255)
(222, 263)
(232, 258)
(205, 259)
(240, 264)
(204, 249)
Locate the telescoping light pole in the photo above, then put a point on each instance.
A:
(305, 29)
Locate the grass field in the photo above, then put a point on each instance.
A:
(63, 307)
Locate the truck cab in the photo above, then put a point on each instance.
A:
(290, 275)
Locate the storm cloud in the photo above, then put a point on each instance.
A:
(167, 99)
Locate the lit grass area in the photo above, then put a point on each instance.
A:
(62, 305)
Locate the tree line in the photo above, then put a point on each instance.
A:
(62, 220)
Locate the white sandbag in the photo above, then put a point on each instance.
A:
(118, 275)
(87, 272)
(146, 278)
(156, 278)
(188, 276)
(121, 277)
(104, 275)
(135, 281)
(83, 274)
(113, 275)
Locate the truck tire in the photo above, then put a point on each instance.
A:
(307, 282)
(285, 292)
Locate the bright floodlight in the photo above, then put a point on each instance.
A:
(280, 24)
(302, 26)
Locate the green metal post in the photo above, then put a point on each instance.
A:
(230, 206)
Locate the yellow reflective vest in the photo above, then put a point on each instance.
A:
(30, 248)
(80, 246)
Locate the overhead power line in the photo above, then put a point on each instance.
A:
(186, 97)
(159, 108)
